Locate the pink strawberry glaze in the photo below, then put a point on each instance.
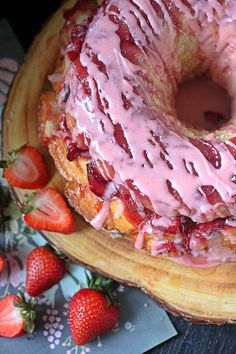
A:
(143, 118)
(190, 261)
(101, 216)
(158, 144)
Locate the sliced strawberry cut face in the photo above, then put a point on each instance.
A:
(11, 323)
(50, 213)
(28, 170)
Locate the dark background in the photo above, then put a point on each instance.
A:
(26, 19)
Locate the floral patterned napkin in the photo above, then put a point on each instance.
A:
(143, 324)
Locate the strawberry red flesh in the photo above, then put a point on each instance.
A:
(28, 170)
(50, 213)
(16, 316)
(11, 323)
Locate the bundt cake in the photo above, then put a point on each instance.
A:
(110, 123)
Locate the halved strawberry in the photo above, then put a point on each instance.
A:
(49, 212)
(26, 169)
(16, 316)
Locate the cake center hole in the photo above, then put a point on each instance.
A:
(203, 104)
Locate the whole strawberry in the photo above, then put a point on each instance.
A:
(17, 316)
(92, 311)
(44, 268)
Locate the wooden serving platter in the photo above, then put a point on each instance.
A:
(205, 295)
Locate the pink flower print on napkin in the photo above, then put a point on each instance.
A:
(8, 68)
(13, 274)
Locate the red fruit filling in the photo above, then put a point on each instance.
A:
(97, 182)
(208, 150)
(181, 227)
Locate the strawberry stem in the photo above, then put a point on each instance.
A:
(58, 253)
(27, 310)
(12, 157)
(104, 285)
(3, 164)
(27, 206)
(5, 200)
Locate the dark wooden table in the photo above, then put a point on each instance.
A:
(199, 339)
(26, 19)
